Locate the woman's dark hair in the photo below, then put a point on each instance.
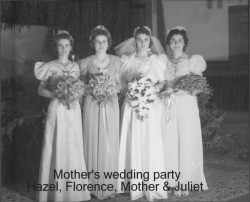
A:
(64, 35)
(143, 30)
(183, 33)
(99, 31)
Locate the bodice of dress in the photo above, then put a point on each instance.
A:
(154, 67)
(53, 70)
(88, 69)
(195, 64)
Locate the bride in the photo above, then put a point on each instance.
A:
(141, 147)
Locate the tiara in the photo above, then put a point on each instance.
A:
(146, 27)
(99, 27)
(180, 28)
(59, 32)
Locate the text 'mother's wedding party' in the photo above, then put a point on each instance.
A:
(124, 100)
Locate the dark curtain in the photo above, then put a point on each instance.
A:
(161, 30)
(79, 17)
(231, 92)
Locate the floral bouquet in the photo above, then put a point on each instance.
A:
(69, 89)
(192, 84)
(141, 93)
(103, 88)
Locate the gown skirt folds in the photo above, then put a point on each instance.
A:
(141, 145)
(62, 150)
(101, 128)
(184, 128)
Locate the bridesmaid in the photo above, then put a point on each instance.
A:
(183, 136)
(62, 144)
(101, 124)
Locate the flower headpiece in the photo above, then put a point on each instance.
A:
(60, 32)
(99, 27)
(146, 27)
(180, 28)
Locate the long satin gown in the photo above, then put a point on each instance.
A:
(63, 142)
(101, 127)
(141, 146)
(183, 149)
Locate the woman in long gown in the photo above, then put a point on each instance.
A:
(183, 132)
(63, 143)
(101, 123)
(141, 146)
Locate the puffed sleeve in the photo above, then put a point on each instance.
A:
(124, 65)
(42, 71)
(123, 73)
(116, 64)
(118, 68)
(159, 68)
(124, 61)
(84, 70)
(197, 64)
(83, 66)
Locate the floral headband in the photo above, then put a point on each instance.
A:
(146, 27)
(99, 27)
(60, 32)
(180, 28)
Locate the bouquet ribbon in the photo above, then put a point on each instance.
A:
(169, 103)
(105, 125)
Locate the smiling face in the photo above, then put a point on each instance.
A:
(101, 44)
(177, 43)
(142, 42)
(63, 47)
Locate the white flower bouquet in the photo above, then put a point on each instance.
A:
(142, 94)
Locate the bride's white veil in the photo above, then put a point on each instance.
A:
(128, 47)
(156, 47)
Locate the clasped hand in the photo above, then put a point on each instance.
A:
(180, 92)
(159, 86)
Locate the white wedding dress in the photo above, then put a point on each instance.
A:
(141, 146)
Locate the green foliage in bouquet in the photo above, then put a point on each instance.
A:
(22, 128)
(192, 84)
(214, 137)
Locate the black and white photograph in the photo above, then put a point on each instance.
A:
(124, 100)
